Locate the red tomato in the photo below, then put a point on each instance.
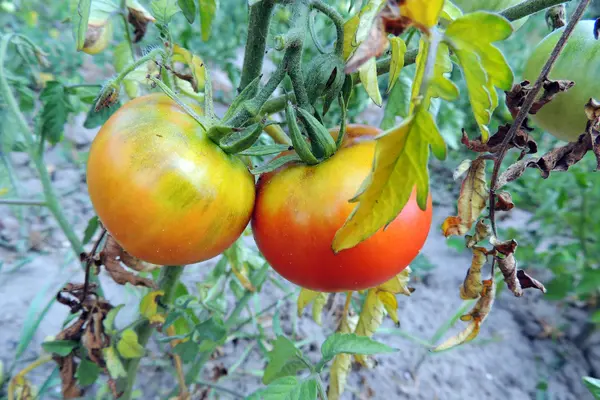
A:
(162, 188)
(299, 208)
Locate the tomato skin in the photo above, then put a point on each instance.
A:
(163, 189)
(469, 6)
(564, 117)
(299, 208)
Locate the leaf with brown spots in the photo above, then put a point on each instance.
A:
(472, 286)
(482, 231)
(516, 96)
(471, 202)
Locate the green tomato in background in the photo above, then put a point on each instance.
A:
(468, 6)
(564, 117)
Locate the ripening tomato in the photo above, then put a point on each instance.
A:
(162, 188)
(97, 37)
(564, 117)
(469, 6)
(299, 208)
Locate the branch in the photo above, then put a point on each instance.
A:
(22, 202)
(336, 18)
(529, 7)
(258, 29)
(528, 102)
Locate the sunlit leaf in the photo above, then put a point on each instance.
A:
(400, 166)
(368, 77)
(351, 343)
(305, 298)
(208, 9)
(471, 201)
(398, 284)
(128, 345)
(350, 27)
(484, 66)
(195, 64)
(423, 13)
(397, 60)
(391, 305)
(163, 10)
(149, 307)
(113, 363)
(450, 11)
(317, 309)
(369, 320)
(80, 14)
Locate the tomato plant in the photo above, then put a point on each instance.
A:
(565, 117)
(162, 188)
(295, 231)
(468, 6)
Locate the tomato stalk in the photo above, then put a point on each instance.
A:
(337, 20)
(169, 277)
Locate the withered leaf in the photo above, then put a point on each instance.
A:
(518, 93)
(373, 46)
(472, 286)
(508, 267)
(504, 202)
(475, 317)
(504, 247)
(139, 18)
(111, 257)
(521, 140)
(592, 111)
(528, 282)
(67, 368)
(471, 202)
(482, 231)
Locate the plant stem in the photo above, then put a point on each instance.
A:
(22, 202)
(295, 47)
(336, 18)
(167, 282)
(528, 7)
(221, 389)
(141, 61)
(126, 27)
(258, 30)
(528, 102)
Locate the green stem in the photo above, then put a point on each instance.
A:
(528, 7)
(258, 29)
(141, 61)
(295, 47)
(126, 27)
(220, 388)
(51, 199)
(169, 277)
(22, 202)
(336, 18)
(321, 388)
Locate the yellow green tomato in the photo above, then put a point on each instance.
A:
(564, 117)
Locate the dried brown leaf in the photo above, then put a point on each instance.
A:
(373, 46)
(139, 20)
(111, 257)
(508, 267)
(505, 247)
(67, 367)
(521, 140)
(504, 202)
(471, 202)
(528, 282)
(518, 93)
(472, 286)
(482, 231)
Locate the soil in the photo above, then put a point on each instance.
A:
(525, 349)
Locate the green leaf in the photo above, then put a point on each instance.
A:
(559, 287)
(589, 283)
(280, 389)
(128, 345)
(163, 10)
(55, 111)
(284, 360)
(401, 156)
(208, 9)
(80, 14)
(368, 77)
(61, 347)
(187, 351)
(351, 343)
(188, 7)
(265, 150)
(95, 119)
(109, 320)
(593, 386)
(212, 329)
(450, 11)
(595, 318)
(90, 229)
(484, 66)
(397, 60)
(113, 363)
(398, 102)
(87, 372)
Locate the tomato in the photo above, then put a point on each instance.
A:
(97, 37)
(299, 208)
(162, 188)
(468, 6)
(564, 117)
